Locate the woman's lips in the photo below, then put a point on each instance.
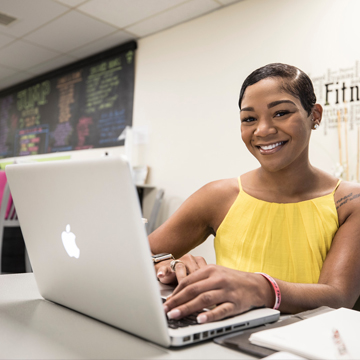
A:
(271, 148)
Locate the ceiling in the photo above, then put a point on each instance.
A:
(48, 34)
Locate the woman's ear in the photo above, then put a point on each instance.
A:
(316, 115)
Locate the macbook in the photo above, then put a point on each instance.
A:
(82, 225)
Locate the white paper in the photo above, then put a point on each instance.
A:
(283, 355)
(314, 338)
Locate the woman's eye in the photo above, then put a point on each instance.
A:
(248, 119)
(281, 113)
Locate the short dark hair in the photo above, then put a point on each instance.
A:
(296, 83)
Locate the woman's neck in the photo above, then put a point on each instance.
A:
(287, 185)
(290, 182)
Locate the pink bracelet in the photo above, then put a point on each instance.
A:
(275, 287)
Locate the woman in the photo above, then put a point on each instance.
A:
(295, 224)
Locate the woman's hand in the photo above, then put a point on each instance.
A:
(187, 264)
(230, 291)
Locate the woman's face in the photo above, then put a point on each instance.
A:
(274, 125)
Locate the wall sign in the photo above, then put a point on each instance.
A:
(338, 91)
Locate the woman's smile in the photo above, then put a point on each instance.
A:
(271, 148)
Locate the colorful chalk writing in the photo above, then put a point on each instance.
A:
(100, 85)
(31, 141)
(61, 135)
(111, 125)
(4, 121)
(33, 96)
(29, 118)
(83, 132)
(66, 86)
(81, 106)
(129, 56)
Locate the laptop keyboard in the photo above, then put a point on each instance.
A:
(186, 321)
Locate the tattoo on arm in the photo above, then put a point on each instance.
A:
(346, 199)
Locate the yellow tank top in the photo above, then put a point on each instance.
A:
(287, 241)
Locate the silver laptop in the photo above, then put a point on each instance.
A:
(81, 221)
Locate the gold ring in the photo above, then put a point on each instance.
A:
(173, 264)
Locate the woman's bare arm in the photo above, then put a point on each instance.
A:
(197, 218)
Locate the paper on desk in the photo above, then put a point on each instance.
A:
(313, 338)
(283, 355)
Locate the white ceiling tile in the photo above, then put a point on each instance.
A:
(15, 79)
(69, 32)
(102, 44)
(5, 39)
(52, 64)
(122, 13)
(5, 72)
(177, 15)
(57, 32)
(71, 3)
(22, 55)
(30, 14)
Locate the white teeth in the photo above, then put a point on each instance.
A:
(272, 146)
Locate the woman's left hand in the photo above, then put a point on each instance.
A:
(230, 291)
(187, 264)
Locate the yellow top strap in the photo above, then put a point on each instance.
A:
(337, 185)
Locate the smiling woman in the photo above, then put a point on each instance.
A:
(272, 119)
(284, 237)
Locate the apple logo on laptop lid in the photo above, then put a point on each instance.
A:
(68, 240)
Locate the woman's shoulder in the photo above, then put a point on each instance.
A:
(218, 196)
(347, 199)
(346, 186)
(221, 188)
(214, 195)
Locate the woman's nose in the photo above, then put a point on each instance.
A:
(265, 127)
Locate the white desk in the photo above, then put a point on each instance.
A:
(33, 328)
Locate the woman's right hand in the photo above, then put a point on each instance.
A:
(187, 264)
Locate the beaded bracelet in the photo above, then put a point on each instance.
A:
(275, 287)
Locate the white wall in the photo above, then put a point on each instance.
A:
(188, 80)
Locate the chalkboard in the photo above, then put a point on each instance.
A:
(83, 105)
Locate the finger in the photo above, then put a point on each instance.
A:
(180, 271)
(199, 291)
(191, 263)
(200, 261)
(219, 312)
(202, 301)
(192, 278)
(165, 275)
(188, 265)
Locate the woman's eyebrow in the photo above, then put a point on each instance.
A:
(247, 109)
(274, 103)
